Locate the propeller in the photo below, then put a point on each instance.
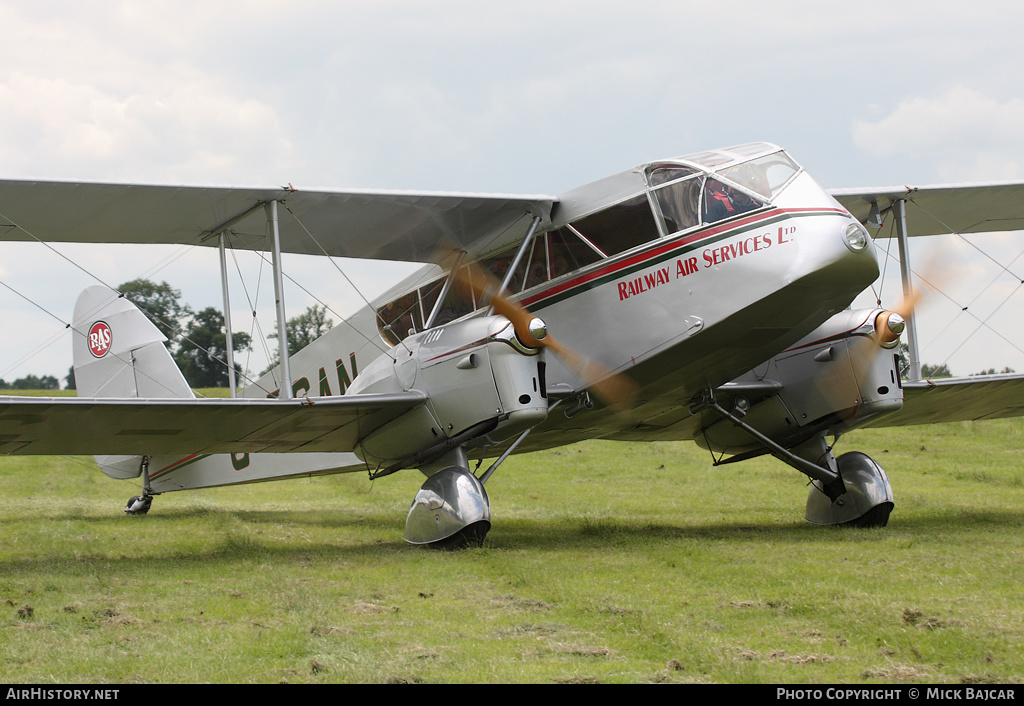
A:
(614, 389)
(891, 323)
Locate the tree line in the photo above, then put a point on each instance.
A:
(930, 371)
(196, 339)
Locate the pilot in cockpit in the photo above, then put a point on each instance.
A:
(722, 200)
(718, 202)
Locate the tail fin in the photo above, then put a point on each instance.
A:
(118, 352)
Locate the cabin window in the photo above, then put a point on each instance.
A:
(621, 227)
(458, 302)
(498, 267)
(679, 203)
(428, 297)
(399, 318)
(567, 252)
(551, 255)
(406, 315)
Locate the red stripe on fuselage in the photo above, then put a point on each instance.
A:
(175, 465)
(655, 252)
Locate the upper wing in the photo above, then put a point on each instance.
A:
(84, 426)
(362, 224)
(957, 400)
(951, 208)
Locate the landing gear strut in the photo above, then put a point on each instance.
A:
(140, 504)
(851, 490)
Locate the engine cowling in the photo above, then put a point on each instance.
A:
(835, 379)
(479, 378)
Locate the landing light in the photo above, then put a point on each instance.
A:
(855, 237)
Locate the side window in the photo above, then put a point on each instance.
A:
(680, 204)
(566, 252)
(396, 319)
(621, 227)
(722, 201)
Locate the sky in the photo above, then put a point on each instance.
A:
(524, 97)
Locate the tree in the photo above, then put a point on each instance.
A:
(32, 382)
(935, 371)
(161, 304)
(202, 353)
(303, 330)
(992, 371)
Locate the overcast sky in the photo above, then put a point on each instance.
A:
(523, 97)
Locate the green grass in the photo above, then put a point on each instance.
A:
(607, 562)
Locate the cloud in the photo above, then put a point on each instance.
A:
(84, 99)
(967, 134)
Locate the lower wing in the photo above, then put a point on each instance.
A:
(957, 400)
(84, 426)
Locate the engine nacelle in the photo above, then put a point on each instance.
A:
(835, 379)
(480, 381)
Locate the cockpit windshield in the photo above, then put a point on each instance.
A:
(730, 182)
(765, 176)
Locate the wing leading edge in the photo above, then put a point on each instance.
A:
(386, 225)
(87, 426)
(940, 209)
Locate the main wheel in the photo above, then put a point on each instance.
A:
(450, 511)
(867, 501)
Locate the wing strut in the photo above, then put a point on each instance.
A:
(527, 241)
(282, 327)
(228, 341)
(912, 343)
(270, 208)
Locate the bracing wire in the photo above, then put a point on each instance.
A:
(967, 308)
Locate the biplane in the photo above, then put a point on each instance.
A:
(704, 297)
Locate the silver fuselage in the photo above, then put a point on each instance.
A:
(680, 314)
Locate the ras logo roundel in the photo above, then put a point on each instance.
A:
(99, 339)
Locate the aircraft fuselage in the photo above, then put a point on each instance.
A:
(687, 300)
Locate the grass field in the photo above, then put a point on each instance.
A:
(607, 562)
